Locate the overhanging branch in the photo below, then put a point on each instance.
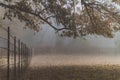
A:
(14, 7)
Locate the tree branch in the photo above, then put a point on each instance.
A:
(14, 7)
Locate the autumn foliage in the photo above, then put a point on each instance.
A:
(71, 18)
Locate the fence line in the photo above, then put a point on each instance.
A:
(15, 56)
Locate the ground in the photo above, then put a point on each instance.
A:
(74, 72)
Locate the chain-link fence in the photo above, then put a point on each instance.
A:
(15, 56)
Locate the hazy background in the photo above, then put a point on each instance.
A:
(53, 49)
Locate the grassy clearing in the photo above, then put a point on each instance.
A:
(106, 72)
(3, 74)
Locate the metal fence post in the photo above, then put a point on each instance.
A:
(27, 56)
(19, 58)
(14, 58)
(24, 57)
(8, 55)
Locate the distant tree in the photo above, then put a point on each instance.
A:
(91, 17)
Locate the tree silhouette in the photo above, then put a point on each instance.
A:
(71, 18)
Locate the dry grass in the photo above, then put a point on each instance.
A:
(3, 74)
(74, 73)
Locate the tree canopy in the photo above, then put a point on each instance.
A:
(71, 18)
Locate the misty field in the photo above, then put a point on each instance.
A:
(106, 72)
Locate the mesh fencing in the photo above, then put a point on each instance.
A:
(15, 56)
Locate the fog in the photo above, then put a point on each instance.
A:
(47, 42)
(51, 49)
(57, 60)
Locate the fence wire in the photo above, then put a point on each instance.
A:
(15, 56)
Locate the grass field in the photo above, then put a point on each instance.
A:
(98, 72)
